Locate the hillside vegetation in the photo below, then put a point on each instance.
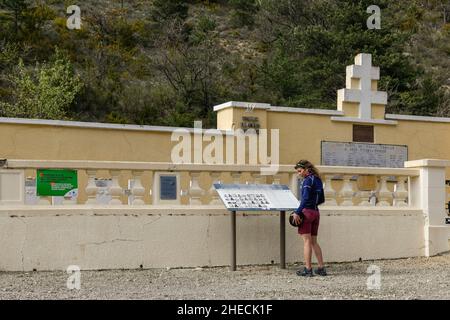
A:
(167, 62)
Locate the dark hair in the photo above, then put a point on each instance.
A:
(305, 164)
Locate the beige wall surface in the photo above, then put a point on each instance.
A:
(301, 134)
(300, 137)
(30, 141)
(424, 139)
(112, 238)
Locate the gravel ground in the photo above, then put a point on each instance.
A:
(412, 278)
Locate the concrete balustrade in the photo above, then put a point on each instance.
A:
(405, 220)
(346, 195)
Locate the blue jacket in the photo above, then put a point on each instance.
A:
(312, 193)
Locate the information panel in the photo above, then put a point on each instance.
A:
(56, 182)
(356, 154)
(257, 197)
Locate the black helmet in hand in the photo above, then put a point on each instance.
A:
(291, 219)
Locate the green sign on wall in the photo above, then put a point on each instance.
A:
(56, 182)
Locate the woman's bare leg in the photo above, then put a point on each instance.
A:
(317, 251)
(307, 249)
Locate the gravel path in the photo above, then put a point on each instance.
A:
(413, 278)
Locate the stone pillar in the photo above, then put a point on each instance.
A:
(364, 197)
(276, 179)
(116, 190)
(347, 191)
(91, 188)
(427, 191)
(215, 199)
(195, 191)
(235, 176)
(138, 191)
(400, 192)
(257, 178)
(384, 195)
(329, 192)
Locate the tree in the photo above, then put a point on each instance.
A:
(190, 66)
(243, 12)
(311, 42)
(44, 92)
(138, 67)
(164, 10)
(18, 7)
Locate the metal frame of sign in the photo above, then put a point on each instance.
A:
(264, 190)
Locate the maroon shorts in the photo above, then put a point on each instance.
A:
(311, 222)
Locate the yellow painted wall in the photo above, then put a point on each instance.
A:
(300, 137)
(301, 134)
(350, 109)
(225, 119)
(231, 118)
(377, 111)
(26, 141)
(424, 139)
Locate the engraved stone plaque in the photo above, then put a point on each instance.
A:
(355, 154)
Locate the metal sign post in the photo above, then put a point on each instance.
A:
(283, 239)
(257, 197)
(233, 240)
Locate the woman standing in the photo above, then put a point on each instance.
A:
(312, 196)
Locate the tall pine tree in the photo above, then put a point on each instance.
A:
(17, 9)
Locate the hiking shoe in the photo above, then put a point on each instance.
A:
(320, 271)
(305, 273)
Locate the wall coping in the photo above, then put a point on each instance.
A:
(110, 126)
(369, 121)
(335, 116)
(241, 104)
(168, 166)
(268, 107)
(390, 119)
(305, 110)
(427, 163)
(416, 118)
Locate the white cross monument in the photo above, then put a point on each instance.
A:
(359, 87)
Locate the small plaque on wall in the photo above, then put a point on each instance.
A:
(355, 154)
(250, 123)
(168, 187)
(363, 133)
